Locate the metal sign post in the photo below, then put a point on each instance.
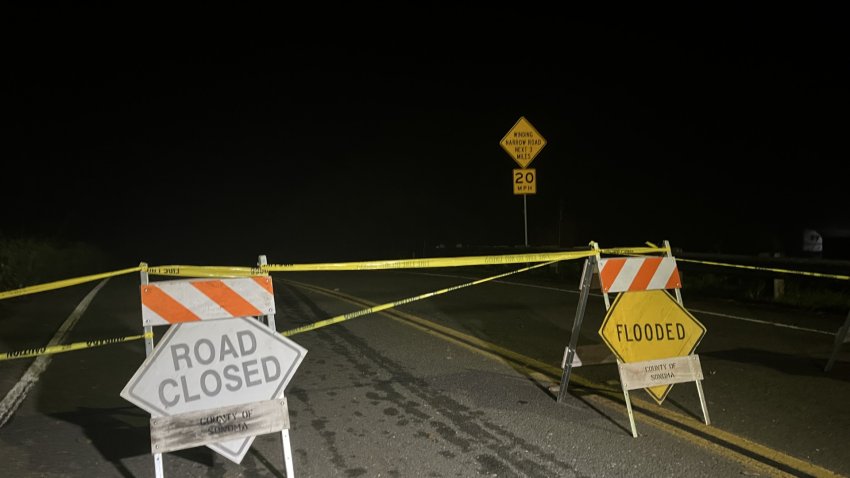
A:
(525, 219)
(523, 143)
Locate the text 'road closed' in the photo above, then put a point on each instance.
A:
(239, 367)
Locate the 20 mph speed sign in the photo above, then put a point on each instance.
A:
(525, 181)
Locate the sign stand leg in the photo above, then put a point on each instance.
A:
(269, 318)
(157, 457)
(702, 402)
(637, 375)
(284, 434)
(628, 404)
(287, 454)
(157, 464)
(840, 337)
(698, 382)
(584, 289)
(148, 340)
(148, 329)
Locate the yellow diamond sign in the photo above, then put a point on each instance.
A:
(650, 325)
(523, 142)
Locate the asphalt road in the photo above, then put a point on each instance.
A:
(453, 386)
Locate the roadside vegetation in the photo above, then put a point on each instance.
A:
(29, 261)
(828, 295)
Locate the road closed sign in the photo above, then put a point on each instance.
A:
(650, 325)
(213, 364)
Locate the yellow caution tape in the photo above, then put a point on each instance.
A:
(430, 262)
(55, 349)
(206, 271)
(238, 271)
(768, 269)
(459, 261)
(389, 305)
(625, 251)
(65, 283)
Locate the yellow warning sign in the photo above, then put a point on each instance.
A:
(650, 325)
(525, 181)
(523, 142)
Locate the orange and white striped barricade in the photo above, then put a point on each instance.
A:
(176, 301)
(196, 300)
(627, 274)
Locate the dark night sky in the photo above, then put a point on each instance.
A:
(312, 138)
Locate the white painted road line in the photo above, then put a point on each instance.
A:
(718, 314)
(763, 322)
(19, 392)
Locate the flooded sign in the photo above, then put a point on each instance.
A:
(650, 325)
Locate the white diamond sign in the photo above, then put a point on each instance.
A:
(213, 364)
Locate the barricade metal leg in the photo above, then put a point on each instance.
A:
(148, 340)
(631, 413)
(148, 329)
(287, 454)
(840, 338)
(157, 457)
(284, 434)
(157, 464)
(269, 318)
(702, 402)
(628, 398)
(584, 289)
